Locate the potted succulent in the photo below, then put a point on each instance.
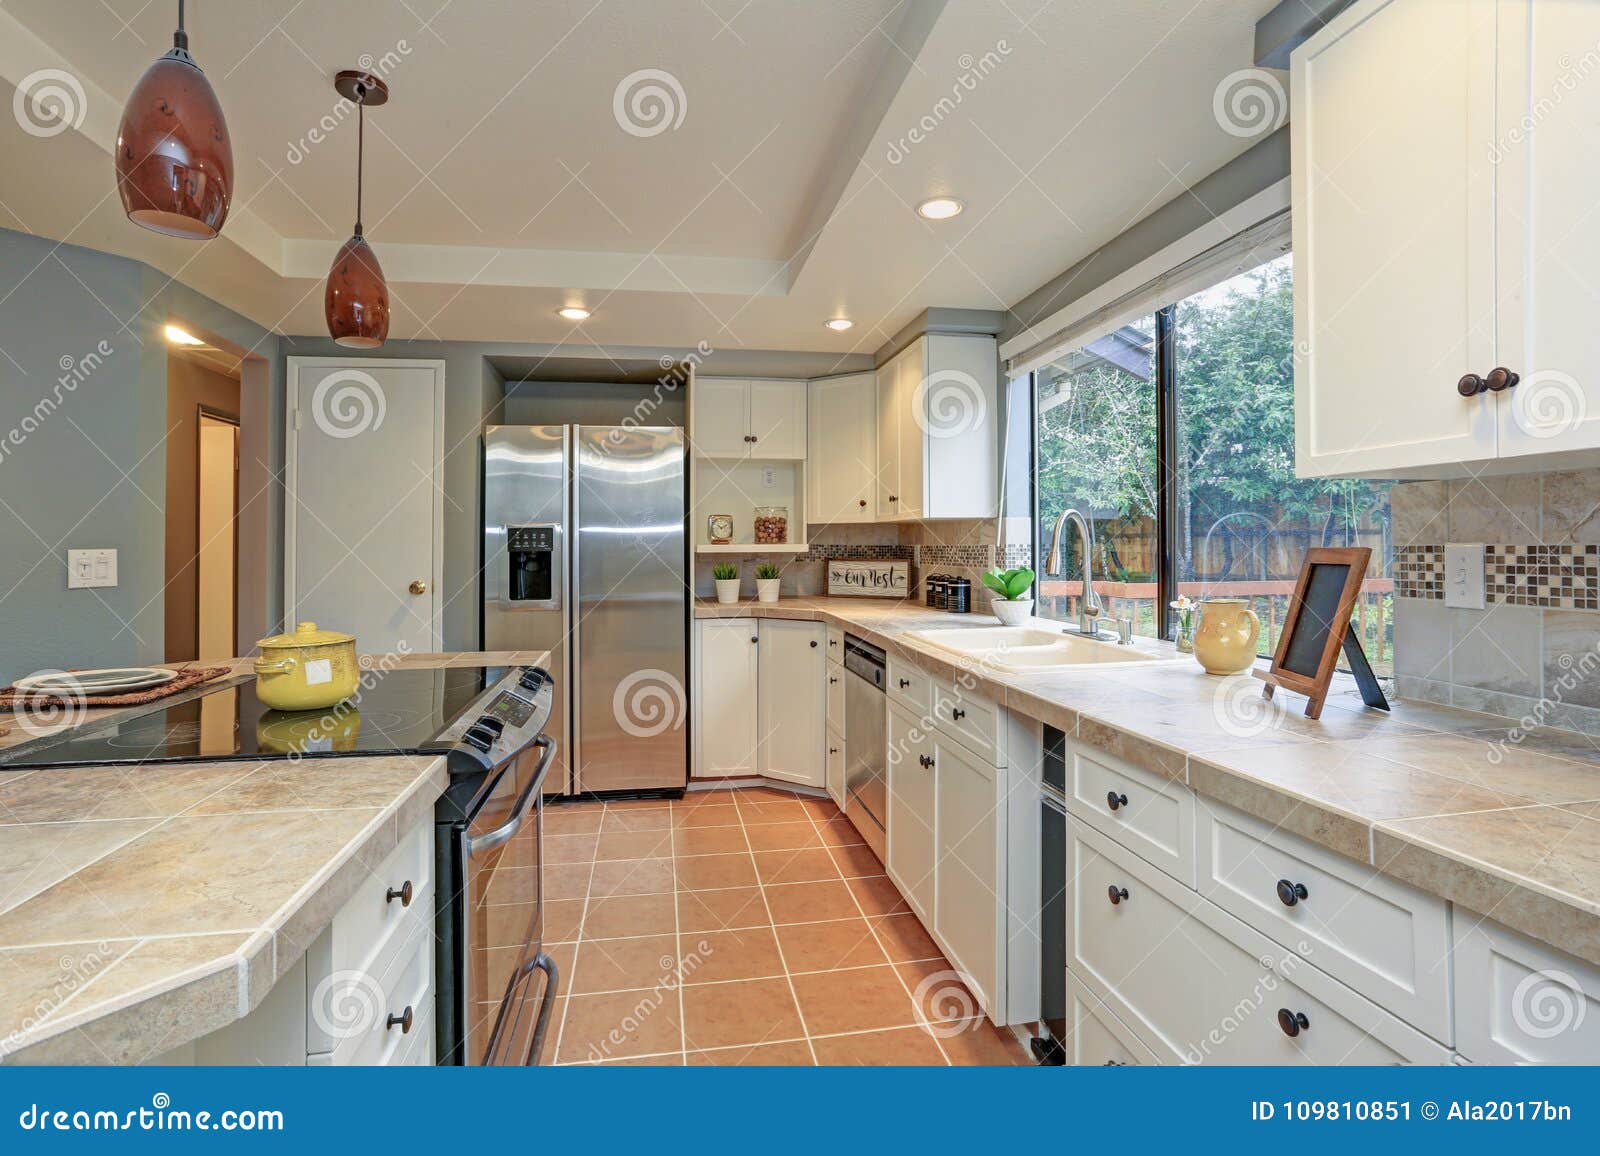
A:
(1011, 606)
(767, 582)
(726, 576)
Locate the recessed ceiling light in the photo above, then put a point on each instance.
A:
(939, 208)
(182, 337)
(839, 324)
(574, 313)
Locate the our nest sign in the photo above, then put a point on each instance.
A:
(874, 579)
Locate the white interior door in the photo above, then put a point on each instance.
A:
(363, 515)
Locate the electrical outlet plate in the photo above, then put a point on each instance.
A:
(91, 569)
(1463, 576)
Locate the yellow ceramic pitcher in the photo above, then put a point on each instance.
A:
(1225, 642)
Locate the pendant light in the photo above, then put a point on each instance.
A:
(356, 303)
(174, 162)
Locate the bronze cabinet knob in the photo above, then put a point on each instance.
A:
(1290, 893)
(1114, 800)
(1116, 894)
(862, 502)
(403, 893)
(1471, 385)
(1501, 378)
(402, 1021)
(1292, 1023)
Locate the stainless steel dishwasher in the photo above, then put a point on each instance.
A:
(865, 786)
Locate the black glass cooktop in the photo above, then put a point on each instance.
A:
(392, 713)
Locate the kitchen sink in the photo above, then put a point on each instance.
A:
(1020, 649)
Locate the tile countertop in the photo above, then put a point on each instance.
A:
(142, 907)
(1503, 821)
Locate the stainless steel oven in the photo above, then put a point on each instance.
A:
(865, 723)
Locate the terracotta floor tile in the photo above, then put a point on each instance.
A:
(820, 809)
(717, 815)
(632, 877)
(908, 1047)
(629, 1023)
(564, 820)
(566, 880)
(804, 866)
(748, 1011)
(839, 833)
(618, 805)
(810, 902)
(791, 1055)
(708, 840)
(634, 844)
(939, 990)
(646, 819)
(856, 859)
(783, 836)
(905, 939)
(717, 797)
(853, 1001)
(620, 915)
(703, 872)
(648, 961)
(569, 848)
(782, 812)
(670, 1060)
(978, 1043)
(562, 918)
(877, 895)
(714, 956)
(825, 946)
(720, 910)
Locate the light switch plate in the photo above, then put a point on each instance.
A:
(87, 569)
(1463, 576)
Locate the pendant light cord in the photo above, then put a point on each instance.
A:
(361, 147)
(180, 38)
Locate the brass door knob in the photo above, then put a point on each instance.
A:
(418, 586)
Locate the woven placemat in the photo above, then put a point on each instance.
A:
(188, 677)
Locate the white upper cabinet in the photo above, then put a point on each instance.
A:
(938, 422)
(735, 417)
(841, 463)
(1441, 234)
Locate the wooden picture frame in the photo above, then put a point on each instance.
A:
(1317, 623)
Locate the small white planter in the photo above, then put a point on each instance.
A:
(767, 589)
(727, 590)
(1012, 613)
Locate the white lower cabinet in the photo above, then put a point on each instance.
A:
(1095, 1037)
(761, 700)
(1197, 985)
(1519, 1001)
(910, 823)
(836, 765)
(968, 915)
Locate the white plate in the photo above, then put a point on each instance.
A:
(115, 680)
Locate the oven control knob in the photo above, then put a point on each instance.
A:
(491, 724)
(479, 736)
(532, 678)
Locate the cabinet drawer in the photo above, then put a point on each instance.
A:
(836, 765)
(1520, 1001)
(1387, 940)
(835, 644)
(978, 722)
(1095, 1037)
(364, 925)
(909, 686)
(1199, 986)
(1156, 821)
(352, 1007)
(836, 697)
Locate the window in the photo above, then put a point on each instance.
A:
(1239, 521)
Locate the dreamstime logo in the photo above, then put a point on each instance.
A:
(1241, 710)
(949, 403)
(946, 1001)
(648, 703)
(347, 1004)
(74, 372)
(1548, 404)
(649, 102)
(344, 108)
(1250, 102)
(354, 407)
(973, 70)
(49, 102)
(46, 714)
(1548, 1003)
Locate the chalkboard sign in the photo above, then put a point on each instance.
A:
(1317, 627)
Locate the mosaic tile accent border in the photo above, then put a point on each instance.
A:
(822, 551)
(1016, 554)
(955, 556)
(1556, 577)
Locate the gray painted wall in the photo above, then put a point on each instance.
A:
(83, 369)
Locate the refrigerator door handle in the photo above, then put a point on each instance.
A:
(574, 612)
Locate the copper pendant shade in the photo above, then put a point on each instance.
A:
(174, 161)
(356, 303)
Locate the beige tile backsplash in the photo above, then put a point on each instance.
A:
(1520, 661)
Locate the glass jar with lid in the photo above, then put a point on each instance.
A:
(772, 525)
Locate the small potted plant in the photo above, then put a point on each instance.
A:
(726, 576)
(767, 582)
(1011, 607)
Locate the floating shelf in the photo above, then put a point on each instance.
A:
(753, 548)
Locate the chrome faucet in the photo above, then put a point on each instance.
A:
(1089, 609)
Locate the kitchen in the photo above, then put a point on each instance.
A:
(874, 598)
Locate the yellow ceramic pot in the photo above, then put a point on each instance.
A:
(1225, 642)
(310, 669)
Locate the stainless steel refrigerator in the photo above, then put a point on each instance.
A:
(585, 555)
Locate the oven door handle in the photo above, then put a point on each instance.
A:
(509, 1018)
(501, 834)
